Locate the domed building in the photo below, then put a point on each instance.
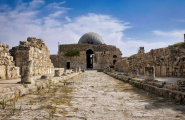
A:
(90, 53)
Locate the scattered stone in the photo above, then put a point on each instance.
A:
(57, 73)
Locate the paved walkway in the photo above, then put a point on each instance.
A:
(13, 82)
(93, 96)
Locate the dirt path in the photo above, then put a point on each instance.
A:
(93, 96)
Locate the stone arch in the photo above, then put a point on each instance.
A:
(114, 56)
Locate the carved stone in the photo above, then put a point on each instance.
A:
(149, 73)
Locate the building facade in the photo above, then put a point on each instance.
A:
(93, 54)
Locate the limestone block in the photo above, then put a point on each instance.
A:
(2, 71)
(27, 75)
(178, 97)
(149, 73)
(163, 71)
(134, 74)
(158, 70)
(166, 92)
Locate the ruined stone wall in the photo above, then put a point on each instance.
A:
(169, 61)
(7, 65)
(35, 50)
(102, 56)
(122, 66)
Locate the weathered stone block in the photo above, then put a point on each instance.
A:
(178, 97)
(149, 73)
(134, 74)
(166, 92)
(57, 73)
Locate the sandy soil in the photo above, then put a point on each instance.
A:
(93, 96)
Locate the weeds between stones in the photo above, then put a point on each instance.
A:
(12, 112)
(3, 104)
(25, 86)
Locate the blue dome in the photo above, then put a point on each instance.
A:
(91, 38)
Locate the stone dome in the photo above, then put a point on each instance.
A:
(91, 38)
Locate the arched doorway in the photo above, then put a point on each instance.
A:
(89, 56)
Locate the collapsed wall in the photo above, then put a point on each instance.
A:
(169, 61)
(35, 50)
(7, 65)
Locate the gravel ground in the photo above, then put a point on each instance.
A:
(93, 96)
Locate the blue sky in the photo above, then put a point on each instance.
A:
(127, 24)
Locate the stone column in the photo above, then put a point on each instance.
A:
(26, 77)
(78, 69)
(64, 74)
(75, 70)
(57, 73)
(149, 73)
(134, 74)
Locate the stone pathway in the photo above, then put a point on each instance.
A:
(93, 96)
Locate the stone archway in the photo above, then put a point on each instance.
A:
(89, 57)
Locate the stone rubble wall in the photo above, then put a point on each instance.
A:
(35, 50)
(103, 56)
(7, 65)
(168, 93)
(168, 61)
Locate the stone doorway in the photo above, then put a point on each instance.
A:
(114, 61)
(68, 65)
(89, 56)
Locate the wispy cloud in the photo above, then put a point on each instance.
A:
(173, 33)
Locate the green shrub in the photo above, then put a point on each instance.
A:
(72, 52)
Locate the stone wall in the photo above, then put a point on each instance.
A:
(122, 66)
(102, 56)
(7, 65)
(35, 50)
(169, 61)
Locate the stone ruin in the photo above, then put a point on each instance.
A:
(35, 50)
(8, 70)
(168, 62)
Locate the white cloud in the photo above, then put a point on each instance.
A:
(68, 19)
(56, 26)
(174, 33)
(35, 4)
